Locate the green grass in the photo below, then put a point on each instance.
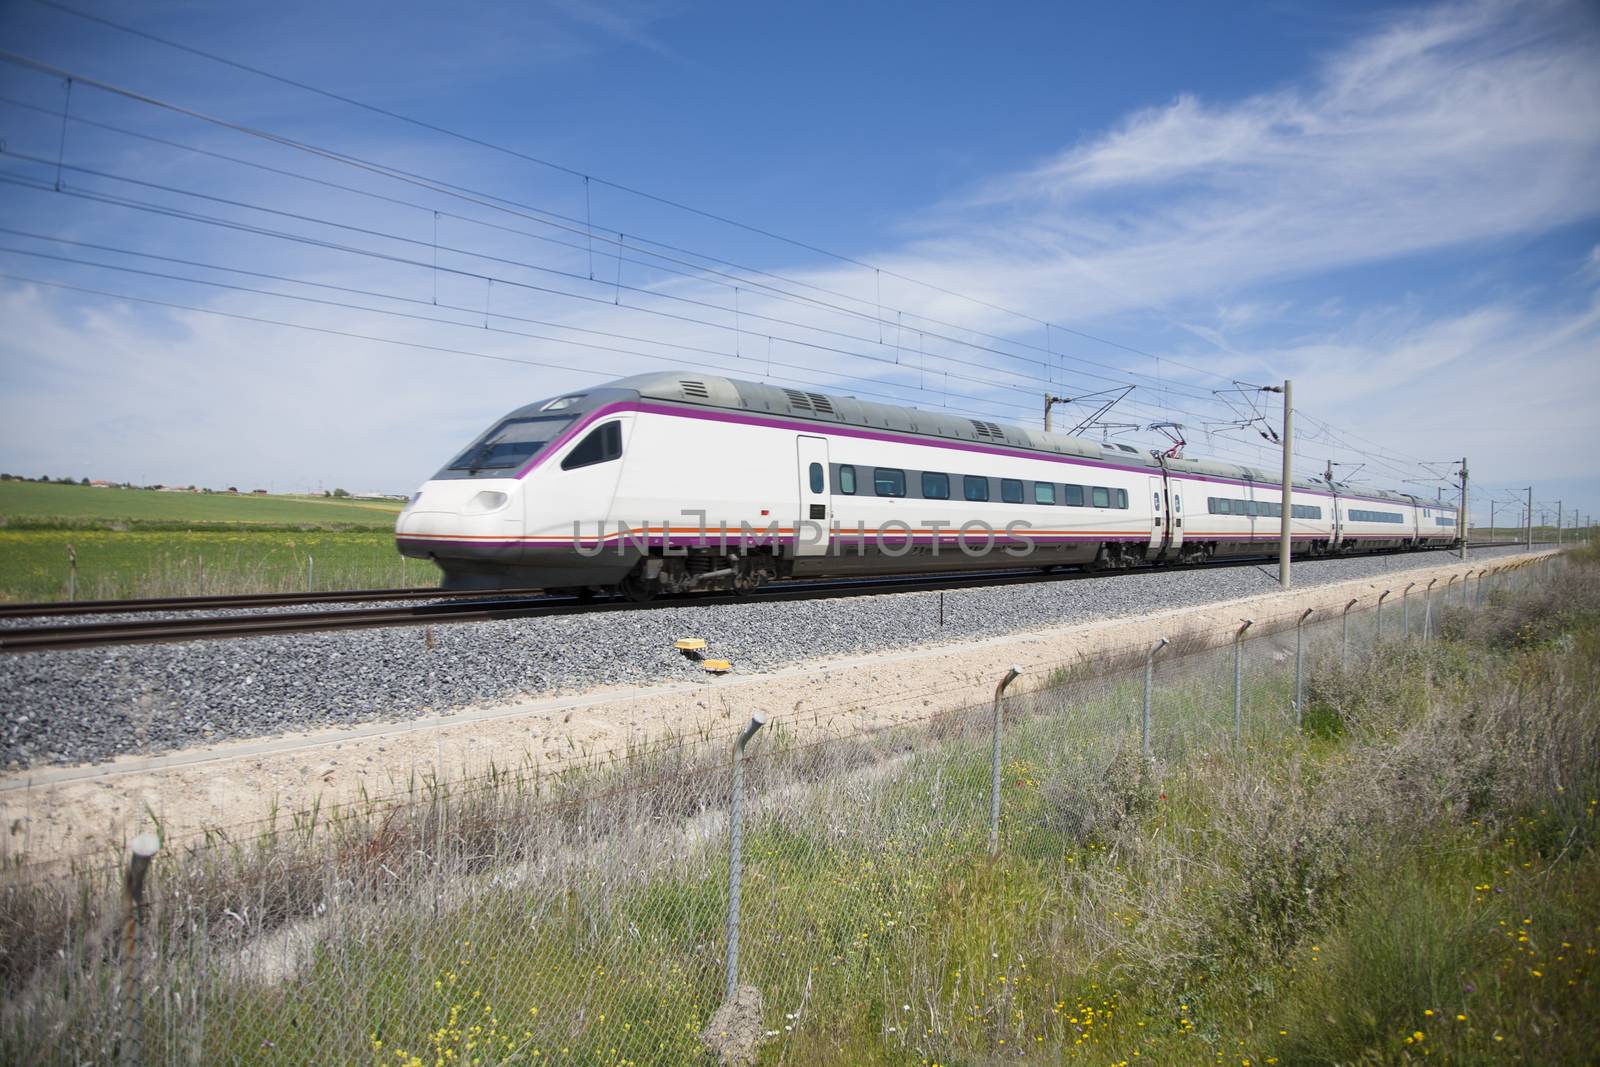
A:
(137, 542)
(140, 562)
(54, 504)
(1413, 879)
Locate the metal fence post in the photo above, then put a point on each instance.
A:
(1238, 679)
(1379, 639)
(72, 573)
(1149, 679)
(736, 849)
(1299, 662)
(1344, 648)
(1464, 579)
(1427, 613)
(311, 573)
(142, 849)
(994, 761)
(1405, 611)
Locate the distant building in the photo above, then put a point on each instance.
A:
(258, 492)
(234, 489)
(101, 483)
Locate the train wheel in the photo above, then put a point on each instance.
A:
(639, 589)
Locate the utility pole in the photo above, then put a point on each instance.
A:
(1530, 518)
(1050, 402)
(1491, 520)
(1288, 482)
(1558, 522)
(1464, 525)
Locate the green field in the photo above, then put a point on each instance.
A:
(139, 542)
(53, 504)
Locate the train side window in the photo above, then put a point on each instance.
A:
(817, 482)
(1074, 496)
(1122, 501)
(847, 479)
(1010, 490)
(1101, 496)
(603, 444)
(886, 481)
(1044, 493)
(974, 487)
(935, 486)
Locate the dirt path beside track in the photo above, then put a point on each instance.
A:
(56, 811)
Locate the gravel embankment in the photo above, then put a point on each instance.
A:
(89, 705)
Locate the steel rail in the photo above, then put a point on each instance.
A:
(493, 605)
(143, 605)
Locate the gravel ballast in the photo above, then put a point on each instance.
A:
(90, 705)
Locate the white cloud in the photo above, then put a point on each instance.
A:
(1437, 132)
(1463, 123)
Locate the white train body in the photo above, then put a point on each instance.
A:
(680, 481)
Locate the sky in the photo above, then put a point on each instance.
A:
(337, 266)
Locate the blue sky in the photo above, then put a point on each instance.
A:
(1397, 205)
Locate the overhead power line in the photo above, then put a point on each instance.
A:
(543, 216)
(454, 250)
(586, 230)
(588, 178)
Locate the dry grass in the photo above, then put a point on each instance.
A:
(1297, 897)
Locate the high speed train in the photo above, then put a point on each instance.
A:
(672, 482)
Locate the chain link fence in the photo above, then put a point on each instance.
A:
(584, 917)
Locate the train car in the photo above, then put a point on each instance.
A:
(674, 482)
(1238, 511)
(1436, 523)
(1374, 519)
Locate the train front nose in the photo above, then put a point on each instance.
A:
(464, 524)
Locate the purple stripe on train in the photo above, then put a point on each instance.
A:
(801, 426)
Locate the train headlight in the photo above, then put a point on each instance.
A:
(488, 500)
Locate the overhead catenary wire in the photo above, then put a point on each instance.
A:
(587, 230)
(419, 263)
(423, 318)
(382, 311)
(586, 177)
(578, 226)
(808, 327)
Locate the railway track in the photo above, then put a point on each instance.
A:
(457, 607)
(47, 609)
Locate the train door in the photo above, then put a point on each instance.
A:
(1338, 523)
(1175, 515)
(1158, 517)
(813, 517)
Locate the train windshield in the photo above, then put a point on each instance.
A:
(511, 443)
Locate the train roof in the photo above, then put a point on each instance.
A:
(716, 391)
